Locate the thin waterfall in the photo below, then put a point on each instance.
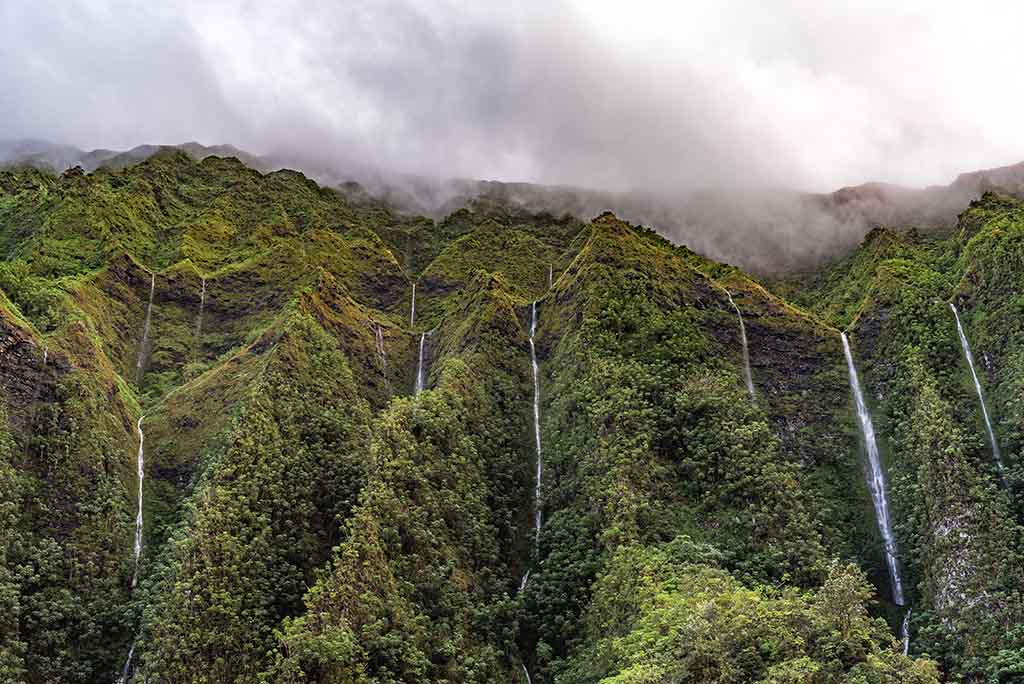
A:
(141, 467)
(420, 377)
(536, 423)
(876, 478)
(905, 632)
(145, 329)
(748, 378)
(536, 435)
(551, 275)
(977, 388)
(412, 312)
(126, 670)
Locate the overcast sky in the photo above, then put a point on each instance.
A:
(809, 94)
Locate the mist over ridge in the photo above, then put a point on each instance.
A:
(768, 231)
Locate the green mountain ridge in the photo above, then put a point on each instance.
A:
(771, 231)
(309, 517)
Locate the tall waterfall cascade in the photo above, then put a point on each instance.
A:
(145, 329)
(536, 423)
(965, 345)
(420, 372)
(876, 479)
(747, 377)
(140, 464)
(536, 436)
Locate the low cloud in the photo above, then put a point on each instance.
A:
(796, 94)
(644, 97)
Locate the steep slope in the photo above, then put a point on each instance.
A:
(94, 339)
(958, 516)
(591, 455)
(263, 515)
(67, 522)
(418, 589)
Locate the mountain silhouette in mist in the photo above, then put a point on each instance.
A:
(770, 231)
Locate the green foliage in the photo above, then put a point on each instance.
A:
(406, 597)
(64, 537)
(670, 614)
(292, 468)
(37, 298)
(957, 527)
(307, 521)
(958, 534)
(651, 434)
(12, 543)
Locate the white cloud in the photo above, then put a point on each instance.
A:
(642, 94)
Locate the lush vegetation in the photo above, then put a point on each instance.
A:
(309, 518)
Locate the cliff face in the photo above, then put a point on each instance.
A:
(956, 515)
(307, 517)
(23, 373)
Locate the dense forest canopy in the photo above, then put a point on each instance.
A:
(256, 431)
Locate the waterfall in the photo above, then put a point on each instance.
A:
(536, 423)
(126, 670)
(746, 351)
(977, 388)
(536, 437)
(145, 329)
(199, 318)
(420, 378)
(876, 478)
(46, 355)
(412, 312)
(551, 275)
(905, 632)
(140, 465)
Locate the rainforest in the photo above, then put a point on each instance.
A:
(259, 430)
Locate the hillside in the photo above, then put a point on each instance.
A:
(769, 231)
(261, 430)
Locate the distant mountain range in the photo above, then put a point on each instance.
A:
(766, 230)
(58, 157)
